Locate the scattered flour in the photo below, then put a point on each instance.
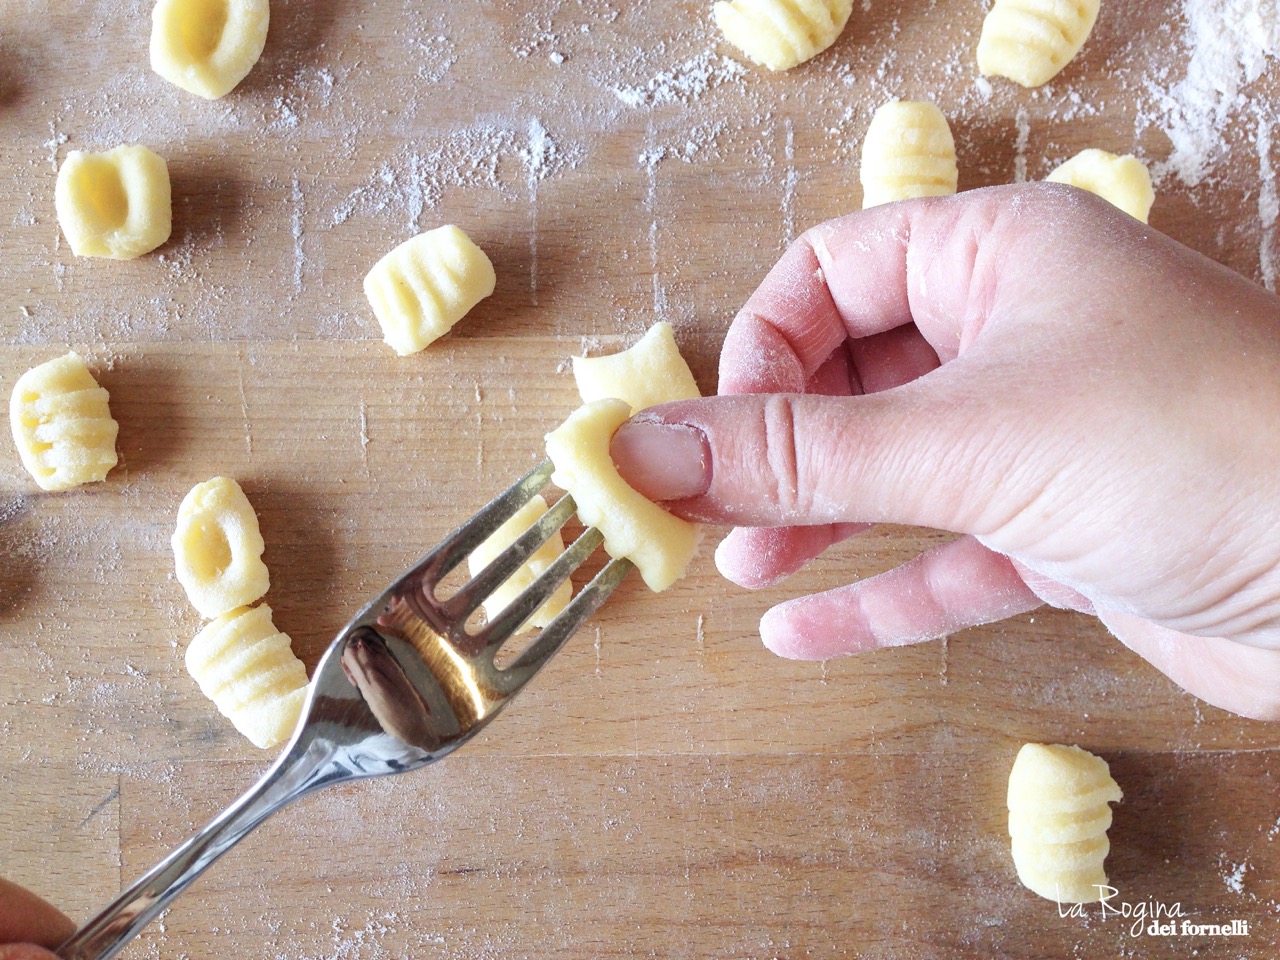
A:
(1234, 879)
(1268, 206)
(1022, 123)
(1229, 43)
(790, 180)
(412, 181)
(56, 141)
(296, 219)
(684, 83)
(438, 57)
(415, 179)
(538, 158)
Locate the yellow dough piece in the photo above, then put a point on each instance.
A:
(1058, 821)
(115, 204)
(217, 548)
(248, 669)
(659, 544)
(1030, 41)
(423, 287)
(1122, 181)
(542, 558)
(908, 152)
(206, 47)
(649, 372)
(780, 34)
(62, 425)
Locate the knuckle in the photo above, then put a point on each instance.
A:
(1061, 204)
(782, 455)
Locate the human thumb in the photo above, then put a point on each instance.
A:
(899, 456)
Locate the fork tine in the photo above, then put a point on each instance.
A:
(502, 627)
(441, 561)
(567, 623)
(467, 600)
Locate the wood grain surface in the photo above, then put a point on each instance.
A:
(665, 788)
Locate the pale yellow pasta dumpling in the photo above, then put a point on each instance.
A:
(423, 287)
(217, 548)
(1122, 181)
(1030, 41)
(62, 425)
(649, 372)
(206, 47)
(781, 34)
(537, 564)
(1058, 821)
(115, 204)
(908, 152)
(248, 669)
(659, 544)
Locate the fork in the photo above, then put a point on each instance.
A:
(404, 684)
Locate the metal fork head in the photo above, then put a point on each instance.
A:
(405, 682)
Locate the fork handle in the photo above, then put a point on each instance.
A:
(298, 771)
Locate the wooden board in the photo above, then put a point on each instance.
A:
(666, 788)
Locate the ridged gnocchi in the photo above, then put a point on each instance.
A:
(541, 559)
(649, 372)
(115, 204)
(908, 152)
(423, 287)
(781, 34)
(207, 47)
(659, 544)
(62, 424)
(248, 669)
(217, 548)
(1122, 181)
(1058, 821)
(1030, 41)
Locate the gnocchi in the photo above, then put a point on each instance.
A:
(217, 548)
(538, 562)
(781, 34)
(659, 544)
(908, 152)
(423, 287)
(248, 669)
(649, 372)
(1122, 181)
(1030, 41)
(1058, 821)
(207, 47)
(62, 424)
(115, 204)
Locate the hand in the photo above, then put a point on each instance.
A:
(1093, 405)
(28, 925)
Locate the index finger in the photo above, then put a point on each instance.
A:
(25, 918)
(860, 275)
